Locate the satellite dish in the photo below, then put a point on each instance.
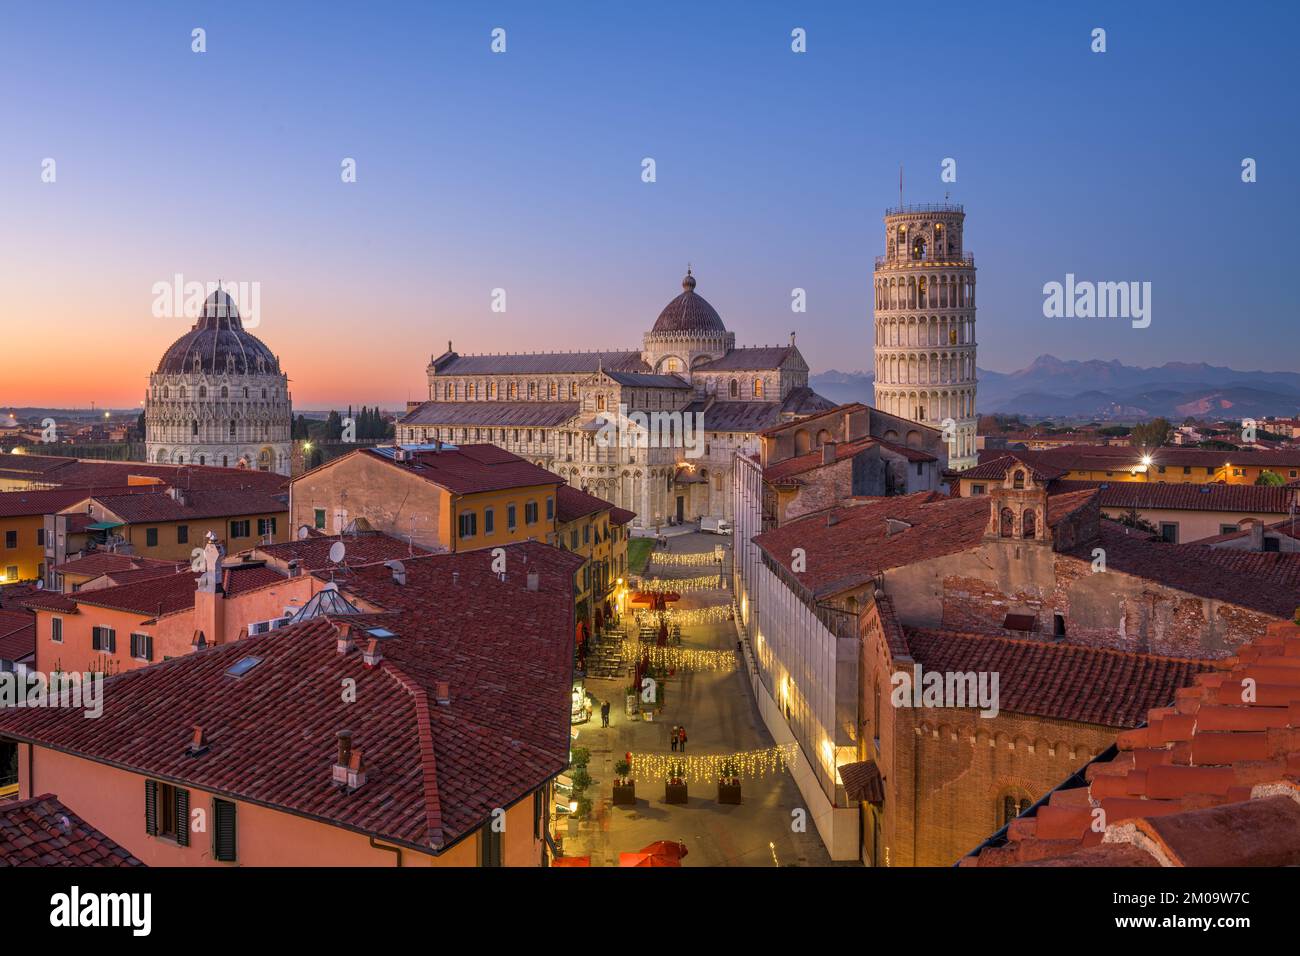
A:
(40, 585)
(303, 532)
(337, 551)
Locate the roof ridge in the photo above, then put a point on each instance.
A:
(428, 760)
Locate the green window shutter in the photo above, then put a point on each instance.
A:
(151, 807)
(223, 833)
(182, 817)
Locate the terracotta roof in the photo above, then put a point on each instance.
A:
(312, 553)
(17, 634)
(995, 469)
(1215, 496)
(15, 504)
(1040, 678)
(1211, 780)
(157, 596)
(103, 562)
(571, 504)
(621, 516)
(92, 473)
(492, 414)
(197, 505)
(466, 469)
(1123, 458)
(1287, 527)
(843, 450)
(434, 771)
(1263, 581)
(838, 410)
(539, 363)
(43, 832)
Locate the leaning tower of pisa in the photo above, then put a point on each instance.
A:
(925, 324)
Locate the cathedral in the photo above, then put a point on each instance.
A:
(554, 407)
(219, 397)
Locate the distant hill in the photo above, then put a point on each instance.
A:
(1052, 387)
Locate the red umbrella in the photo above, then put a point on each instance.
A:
(645, 859)
(666, 848)
(571, 861)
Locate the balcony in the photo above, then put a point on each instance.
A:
(923, 207)
(964, 259)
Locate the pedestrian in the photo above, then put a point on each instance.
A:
(672, 738)
(681, 738)
(604, 713)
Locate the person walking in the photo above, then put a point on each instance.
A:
(604, 713)
(672, 738)
(681, 738)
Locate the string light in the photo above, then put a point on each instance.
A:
(711, 582)
(708, 768)
(698, 559)
(679, 658)
(684, 618)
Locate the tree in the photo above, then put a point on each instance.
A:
(1270, 478)
(333, 427)
(1151, 434)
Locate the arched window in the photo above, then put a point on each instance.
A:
(1008, 523)
(225, 392)
(1027, 523)
(194, 427)
(1011, 806)
(918, 248)
(1018, 479)
(802, 442)
(514, 389)
(203, 393)
(758, 388)
(735, 389)
(600, 402)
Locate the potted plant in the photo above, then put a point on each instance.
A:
(579, 757)
(675, 787)
(581, 779)
(624, 786)
(729, 783)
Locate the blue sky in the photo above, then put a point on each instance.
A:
(522, 171)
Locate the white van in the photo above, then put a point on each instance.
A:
(715, 525)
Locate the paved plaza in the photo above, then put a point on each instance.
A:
(718, 712)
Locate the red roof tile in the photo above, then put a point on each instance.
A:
(465, 469)
(157, 596)
(312, 553)
(196, 505)
(17, 634)
(43, 832)
(434, 771)
(572, 504)
(843, 450)
(1209, 781)
(1088, 685)
(102, 562)
(1244, 499)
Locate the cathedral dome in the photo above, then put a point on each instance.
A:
(218, 343)
(689, 312)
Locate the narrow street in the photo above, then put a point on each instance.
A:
(717, 710)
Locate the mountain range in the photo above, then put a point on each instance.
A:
(1050, 387)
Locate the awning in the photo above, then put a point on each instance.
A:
(103, 525)
(862, 781)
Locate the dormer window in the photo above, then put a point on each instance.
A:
(1018, 480)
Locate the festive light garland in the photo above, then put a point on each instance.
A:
(708, 768)
(711, 582)
(679, 658)
(697, 559)
(684, 618)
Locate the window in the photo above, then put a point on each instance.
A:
(11, 572)
(1169, 531)
(103, 639)
(11, 539)
(1012, 806)
(1058, 624)
(265, 526)
(320, 518)
(223, 831)
(550, 509)
(182, 534)
(586, 534)
(151, 537)
(142, 647)
(758, 388)
(167, 811)
(239, 529)
(468, 524)
(1272, 544)
(1227, 529)
(530, 512)
(489, 521)
(511, 518)
(40, 537)
(976, 490)
(56, 630)
(491, 844)
(232, 428)
(573, 540)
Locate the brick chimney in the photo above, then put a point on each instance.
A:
(372, 656)
(348, 770)
(442, 693)
(346, 645)
(198, 743)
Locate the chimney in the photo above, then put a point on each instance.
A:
(399, 571)
(828, 452)
(455, 578)
(295, 568)
(372, 656)
(442, 693)
(346, 644)
(534, 581)
(199, 743)
(348, 770)
(895, 526)
(177, 494)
